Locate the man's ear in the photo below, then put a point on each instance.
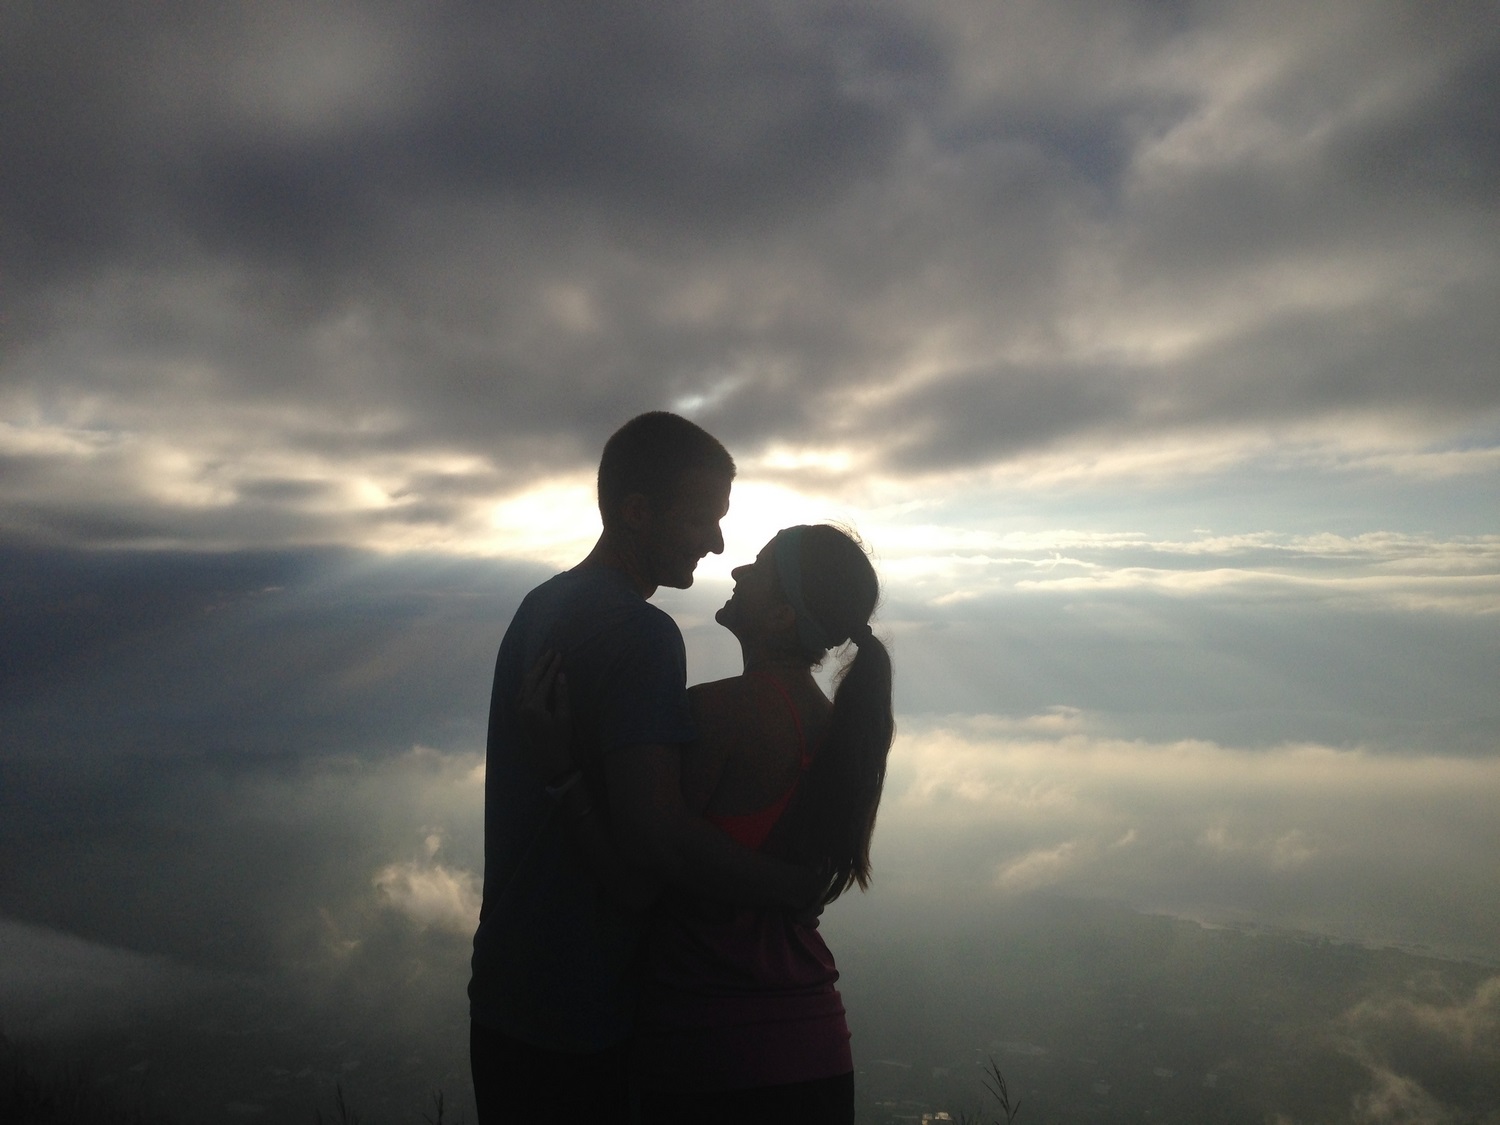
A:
(636, 512)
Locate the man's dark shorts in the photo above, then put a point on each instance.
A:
(516, 1082)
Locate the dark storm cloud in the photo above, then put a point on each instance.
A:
(219, 771)
(661, 111)
(1445, 142)
(302, 143)
(339, 217)
(264, 247)
(205, 656)
(1290, 364)
(980, 415)
(167, 717)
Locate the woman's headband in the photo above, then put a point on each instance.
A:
(810, 631)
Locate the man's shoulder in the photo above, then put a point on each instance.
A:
(584, 590)
(589, 606)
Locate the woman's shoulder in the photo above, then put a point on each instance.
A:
(726, 698)
(754, 707)
(742, 708)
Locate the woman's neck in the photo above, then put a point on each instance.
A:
(789, 665)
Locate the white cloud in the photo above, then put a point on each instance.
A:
(1398, 1036)
(1301, 835)
(1039, 868)
(1470, 1025)
(1395, 1099)
(949, 562)
(1453, 594)
(431, 894)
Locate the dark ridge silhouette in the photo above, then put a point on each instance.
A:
(38, 1089)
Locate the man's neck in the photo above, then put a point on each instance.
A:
(610, 552)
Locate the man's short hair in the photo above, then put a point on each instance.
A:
(650, 454)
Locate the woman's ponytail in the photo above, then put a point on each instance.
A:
(839, 796)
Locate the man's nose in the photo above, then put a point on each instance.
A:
(716, 546)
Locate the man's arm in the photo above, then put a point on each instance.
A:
(656, 830)
(546, 724)
(630, 885)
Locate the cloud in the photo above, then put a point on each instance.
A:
(275, 656)
(1470, 1024)
(1150, 346)
(430, 893)
(1197, 755)
(1415, 1042)
(171, 714)
(1302, 836)
(1395, 1098)
(952, 561)
(1290, 849)
(56, 985)
(143, 844)
(1461, 594)
(251, 299)
(1039, 868)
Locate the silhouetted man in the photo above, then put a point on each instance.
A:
(553, 989)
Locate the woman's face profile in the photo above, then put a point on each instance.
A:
(755, 608)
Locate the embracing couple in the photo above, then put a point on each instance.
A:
(656, 856)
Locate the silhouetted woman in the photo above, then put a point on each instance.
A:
(740, 1020)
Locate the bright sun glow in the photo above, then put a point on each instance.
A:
(757, 511)
(557, 521)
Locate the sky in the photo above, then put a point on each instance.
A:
(1149, 346)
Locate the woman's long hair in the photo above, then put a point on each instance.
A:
(834, 815)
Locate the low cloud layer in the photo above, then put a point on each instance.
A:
(1303, 837)
(1217, 750)
(53, 985)
(242, 805)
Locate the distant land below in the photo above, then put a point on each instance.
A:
(1094, 1014)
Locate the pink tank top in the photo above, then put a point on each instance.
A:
(735, 997)
(752, 828)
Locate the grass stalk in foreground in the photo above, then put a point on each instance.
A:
(994, 1082)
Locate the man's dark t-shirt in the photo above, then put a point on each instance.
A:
(554, 961)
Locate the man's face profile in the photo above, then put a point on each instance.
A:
(679, 535)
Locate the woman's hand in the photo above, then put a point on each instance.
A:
(546, 724)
